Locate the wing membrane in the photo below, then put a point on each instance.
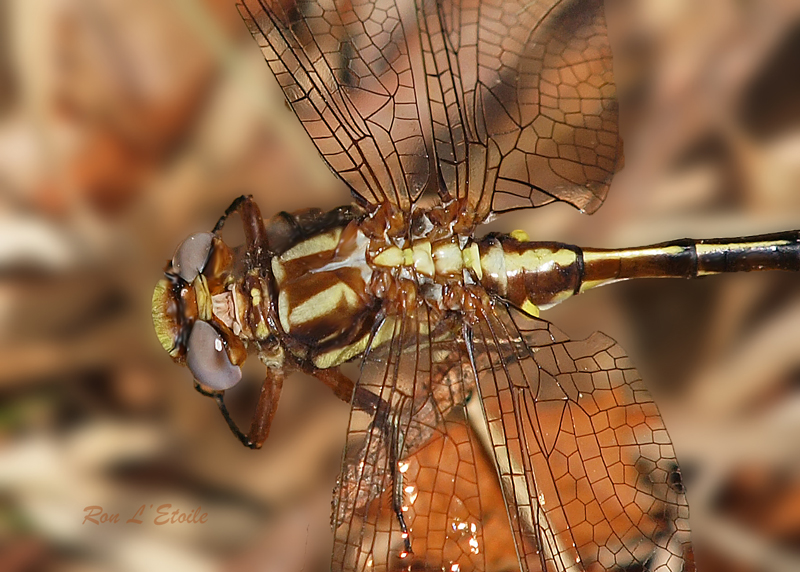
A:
(587, 467)
(420, 376)
(510, 104)
(541, 101)
(346, 71)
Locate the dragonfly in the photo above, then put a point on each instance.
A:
(440, 116)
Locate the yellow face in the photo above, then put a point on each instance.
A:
(183, 314)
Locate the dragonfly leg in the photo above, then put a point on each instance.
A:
(219, 398)
(340, 384)
(266, 407)
(372, 404)
(344, 388)
(254, 231)
(395, 441)
(234, 207)
(264, 413)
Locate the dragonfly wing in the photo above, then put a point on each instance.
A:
(419, 374)
(510, 104)
(346, 70)
(587, 466)
(543, 101)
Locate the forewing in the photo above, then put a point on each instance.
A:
(541, 102)
(345, 68)
(420, 377)
(510, 104)
(588, 470)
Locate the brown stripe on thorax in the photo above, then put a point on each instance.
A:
(322, 295)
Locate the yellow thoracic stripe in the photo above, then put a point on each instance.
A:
(283, 310)
(316, 306)
(324, 242)
(316, 244)
(340, 355)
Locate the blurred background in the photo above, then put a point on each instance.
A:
(124, 127)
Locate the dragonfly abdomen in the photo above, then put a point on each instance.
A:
(531, 275)
(690, 258)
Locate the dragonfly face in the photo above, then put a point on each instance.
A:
(184, 314)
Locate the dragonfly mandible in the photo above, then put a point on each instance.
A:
(440, 116)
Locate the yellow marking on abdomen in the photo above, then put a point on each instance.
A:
(590, 256)
(538, 260)
(390, 257)
(493, 265)
(423, 259)
(519, 235)
(589, 284)
(471, 257)
(704, 250)
(419, 256)
(530, 308)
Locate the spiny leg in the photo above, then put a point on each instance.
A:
(364, 400)
(262, 417)
(395, 445)
(254, 231)
(235, 206)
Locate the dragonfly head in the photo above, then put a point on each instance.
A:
(183, 315)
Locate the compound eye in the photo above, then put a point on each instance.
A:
(208, 360)
(192, 255)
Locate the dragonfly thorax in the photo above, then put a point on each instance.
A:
(333, 285)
